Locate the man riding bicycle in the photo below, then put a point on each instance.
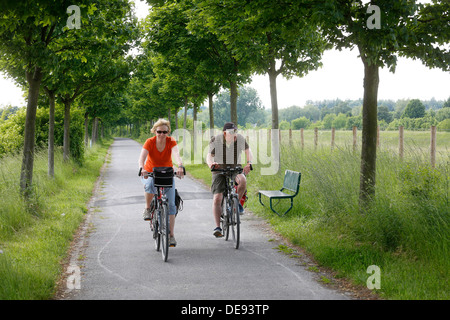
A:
(225, 150)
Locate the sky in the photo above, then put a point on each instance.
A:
(341, 77)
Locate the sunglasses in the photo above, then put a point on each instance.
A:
(163, 132)
(231, 131)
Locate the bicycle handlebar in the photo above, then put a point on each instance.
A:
(230, 169)
(150, 174)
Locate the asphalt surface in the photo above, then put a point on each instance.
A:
(116, 259)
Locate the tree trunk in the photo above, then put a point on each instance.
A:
(211, 111)
(86, 130)
(95, 130)
(211, 114)
(26, 175)
(66, 147)
(51, 134)
(369, 135)
(273, 93)
(185, 112)
(169, 114)
(275, 136)
(176, 117)
(233, 102)
(194, 135)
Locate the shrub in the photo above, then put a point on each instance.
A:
(299, 123)
(444, 125)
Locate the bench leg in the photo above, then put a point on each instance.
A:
(259, 194)
(281, 214)
(271, 205)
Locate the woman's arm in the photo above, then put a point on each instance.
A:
(176, 156)
(142, 158)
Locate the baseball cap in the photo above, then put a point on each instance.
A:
(229, 125)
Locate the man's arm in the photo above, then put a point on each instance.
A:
(210, 160)
(211, 153)
(249, 158)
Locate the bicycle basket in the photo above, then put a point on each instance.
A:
(163, 176)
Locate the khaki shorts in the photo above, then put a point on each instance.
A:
(219, 182)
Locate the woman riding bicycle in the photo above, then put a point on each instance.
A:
(225, 150)
(158, 152)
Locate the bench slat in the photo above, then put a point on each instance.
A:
(275, 194)
(291, 180)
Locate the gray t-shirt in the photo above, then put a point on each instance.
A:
(233, 151)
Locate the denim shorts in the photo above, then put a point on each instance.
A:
(169, 192)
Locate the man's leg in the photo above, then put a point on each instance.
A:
(217, 208)
(242, 185)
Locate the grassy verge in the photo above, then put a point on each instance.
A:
(35, 236)
(405, 233)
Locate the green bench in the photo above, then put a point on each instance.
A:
(291, 183)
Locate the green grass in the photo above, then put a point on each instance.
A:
(35, 236)
(406, 231)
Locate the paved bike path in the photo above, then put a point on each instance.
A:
(117, 258)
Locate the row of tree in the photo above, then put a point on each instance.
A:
(191, 49)
(203, 45)
(326, 114)
(75, 60)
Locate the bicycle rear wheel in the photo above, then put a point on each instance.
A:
(165, 231)
(235, 222)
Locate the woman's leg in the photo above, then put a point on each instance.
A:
(170, 193)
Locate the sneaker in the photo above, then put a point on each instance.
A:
(172, 242)
(241, 209)
(218, 232)
(147, 214)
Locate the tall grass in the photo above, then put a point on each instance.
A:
(35, 235)
(405, 232)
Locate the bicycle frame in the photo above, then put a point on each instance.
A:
(161, 225)
(230, 211)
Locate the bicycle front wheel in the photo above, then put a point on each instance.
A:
(224, 218)
(154, 224)
(165, 231)
(235, 222)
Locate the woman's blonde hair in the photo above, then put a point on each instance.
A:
(160, 122)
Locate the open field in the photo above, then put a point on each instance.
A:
(405, 232)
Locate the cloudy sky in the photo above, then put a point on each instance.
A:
(340, 77)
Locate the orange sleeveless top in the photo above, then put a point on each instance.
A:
(156, 158)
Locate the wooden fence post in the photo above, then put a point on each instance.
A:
(316, 137)
(400, 142)
(378, 136)
(332, 138)
(290, 136)
(354, 138)
(301, 138)
(433, 146)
